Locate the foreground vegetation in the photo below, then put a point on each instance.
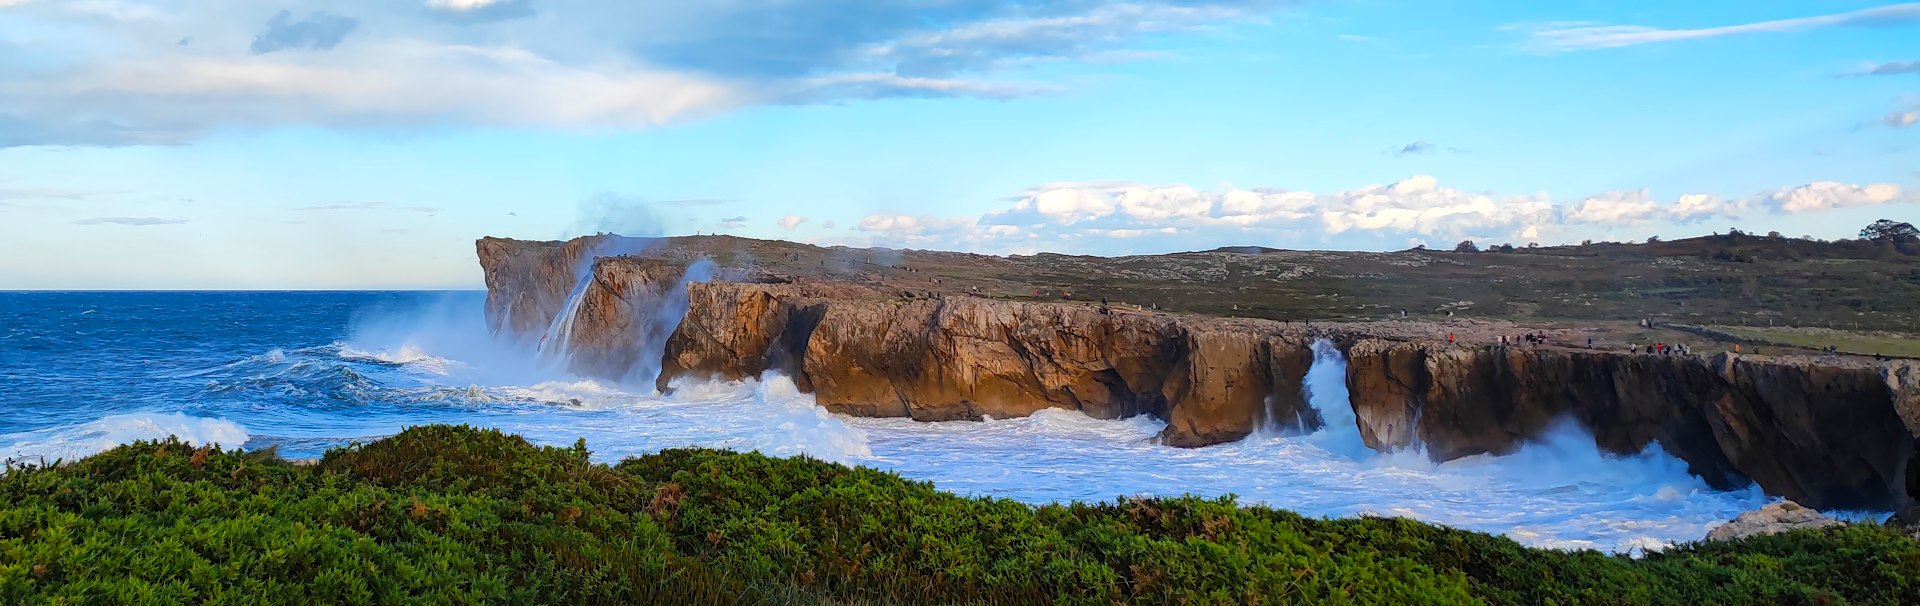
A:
(453, 515)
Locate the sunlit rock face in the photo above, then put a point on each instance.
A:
(645, 311)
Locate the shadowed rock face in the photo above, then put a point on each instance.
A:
(1823, 435)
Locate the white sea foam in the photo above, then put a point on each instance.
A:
(1560, 491)
(76, 441)
(406, 354)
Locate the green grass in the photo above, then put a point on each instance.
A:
(1848, 342)
(453, 515)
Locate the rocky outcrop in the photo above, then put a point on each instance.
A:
(1831, 436)
(960, 358)
(1824, 434)
(1775, 518)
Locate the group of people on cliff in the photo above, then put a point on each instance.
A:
(1662, 349)
(1535, 339)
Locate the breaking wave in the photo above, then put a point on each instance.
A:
(74, 442)
(436, 362)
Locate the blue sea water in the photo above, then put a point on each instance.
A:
(82, 372)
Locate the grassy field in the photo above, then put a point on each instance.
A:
(1738, 280)
(1884, 344)
(452, 515)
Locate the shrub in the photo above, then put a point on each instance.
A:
(446, 515)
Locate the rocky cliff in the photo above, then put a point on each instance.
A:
(1824, 434)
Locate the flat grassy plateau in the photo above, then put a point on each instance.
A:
(1724, 281)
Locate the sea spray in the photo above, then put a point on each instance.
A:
(556, 344)
(659, 324)
(1559, 491)
(1326, 390)
(73, 442)
(447, 334)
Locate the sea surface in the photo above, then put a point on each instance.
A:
(307, 371)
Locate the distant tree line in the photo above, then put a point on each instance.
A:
(1901, 234)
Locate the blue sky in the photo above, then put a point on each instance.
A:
(365, 144)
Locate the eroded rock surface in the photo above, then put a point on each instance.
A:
(1824, 434)
(1775, 518)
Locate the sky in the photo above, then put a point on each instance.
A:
(294, 144)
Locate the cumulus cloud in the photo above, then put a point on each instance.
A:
(1691, 208)
(125, 78)
(1828, 195)
(1586, 36)
(1418, 205)
(792, 222)
(317, 31)
(1614, 208)
(130, 221)
(1639, 206)
(1121, 216)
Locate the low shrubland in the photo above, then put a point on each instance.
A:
(454, 515)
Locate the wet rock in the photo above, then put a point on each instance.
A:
(1772, 519)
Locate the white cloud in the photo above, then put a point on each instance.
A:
(792, 222)
(1066, 204)
(1420, 205)
(130, 72)
(461, 5)
(169, 98)
(1902, 119)
(1639, 206)
(130, 221)
(1614, 208)
(912, 224)
(1827, 195)
(1127, 217)
(1696, 207)
(1178, 202)
(1585, 36)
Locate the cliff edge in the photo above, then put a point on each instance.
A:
(869, 333)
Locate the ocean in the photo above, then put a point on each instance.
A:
(81, 372)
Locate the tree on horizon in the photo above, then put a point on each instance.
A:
(1890, 230)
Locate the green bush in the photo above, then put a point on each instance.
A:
(455, 515)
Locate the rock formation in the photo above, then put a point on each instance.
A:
(1775, 518)
(1829, 435)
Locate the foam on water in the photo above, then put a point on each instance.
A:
(73, 442)
(439, 364)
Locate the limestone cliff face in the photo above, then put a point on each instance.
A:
(1823, 435)
(963, 358)
(528, 282)
(1828, 436)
